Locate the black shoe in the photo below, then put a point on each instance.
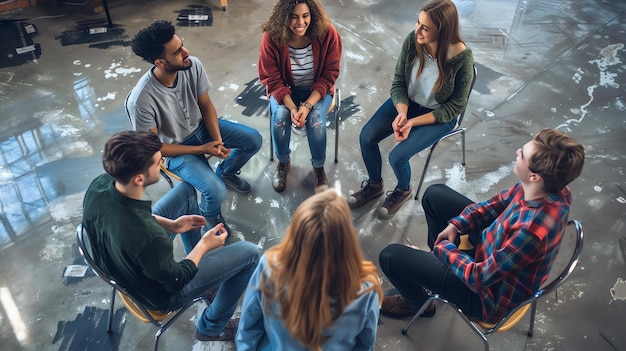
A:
(279, 179)
(236, 183)
(227, 335)
(320, 183)
(212, 222)
(368, 191)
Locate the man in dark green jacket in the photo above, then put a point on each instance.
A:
(133, 242)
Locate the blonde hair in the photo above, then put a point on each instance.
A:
(318, 269)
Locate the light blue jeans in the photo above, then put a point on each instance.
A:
(315, 127)
(379, 128)
(228, 267)
(243, 141)
(180, 201)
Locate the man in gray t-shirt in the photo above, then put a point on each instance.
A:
(172, 100)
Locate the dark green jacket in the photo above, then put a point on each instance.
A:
(131, 246)
(453, 95)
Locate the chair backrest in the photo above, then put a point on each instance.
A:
(130, 119)
(555, 282)
(462, 115)
(86, 250)
(549, 287)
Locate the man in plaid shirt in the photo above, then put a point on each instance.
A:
(516, 235)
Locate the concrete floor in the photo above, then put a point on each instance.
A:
(541, 64)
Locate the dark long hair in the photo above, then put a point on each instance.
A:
(445, 17)
(278, 23)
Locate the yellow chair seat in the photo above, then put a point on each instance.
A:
(130, 305)
(513, 319)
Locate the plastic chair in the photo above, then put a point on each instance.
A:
(334, 105)
(483, 329)
(159, 319)
(456, 130)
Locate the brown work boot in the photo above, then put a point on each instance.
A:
(320, 183)
(368, 191)
(279, 180)
(395, 199)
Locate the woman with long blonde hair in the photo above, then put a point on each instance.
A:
(313, 291)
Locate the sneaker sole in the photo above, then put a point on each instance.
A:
(389, 215)
(357, 205)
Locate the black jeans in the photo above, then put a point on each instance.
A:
(415, 272)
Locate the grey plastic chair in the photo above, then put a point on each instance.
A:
(456, 130)
(161, 320)
(483, 329)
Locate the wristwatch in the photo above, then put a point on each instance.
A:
(307, 105)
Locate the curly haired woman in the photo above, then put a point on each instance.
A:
(299, 64)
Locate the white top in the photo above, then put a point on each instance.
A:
(421, 89)
(302, 66)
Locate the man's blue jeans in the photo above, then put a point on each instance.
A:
(379, 127)
(228, 267)
(315, 127)
(243, 141)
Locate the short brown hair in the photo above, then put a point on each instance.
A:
(559, 159)
(129, 153)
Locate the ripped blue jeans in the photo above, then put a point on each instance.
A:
(315, 127)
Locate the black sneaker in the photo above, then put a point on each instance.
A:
(227, 335)
(395, 199)
(368, 191)
(237, 184)
(212, 222)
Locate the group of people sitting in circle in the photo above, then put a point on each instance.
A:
(315, 290)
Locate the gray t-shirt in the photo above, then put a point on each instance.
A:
(173, 111)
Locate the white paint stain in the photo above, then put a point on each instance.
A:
(274, 203)
(258, 200)
(116, 70)
(608, 57)
(76, 63)
(232, 86)
(366, 3)
(597, 188)
(261, 243)
(109, 96)
(618, 291)
(621, 200)
(233, 204)
(455, 179)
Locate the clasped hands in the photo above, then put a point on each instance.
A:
(299, 116)
(401, 127)
(216, 148)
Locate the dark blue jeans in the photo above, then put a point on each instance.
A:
(413, 272)
(379, 128)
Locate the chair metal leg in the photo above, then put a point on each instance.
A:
(338, 109)
(419, 186)
(417, 315)
(463, 144)
(269, 113)
(111, 306)
(167, 178)
(533, 310)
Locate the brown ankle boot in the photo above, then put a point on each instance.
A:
(279, 179)
(320, 183)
